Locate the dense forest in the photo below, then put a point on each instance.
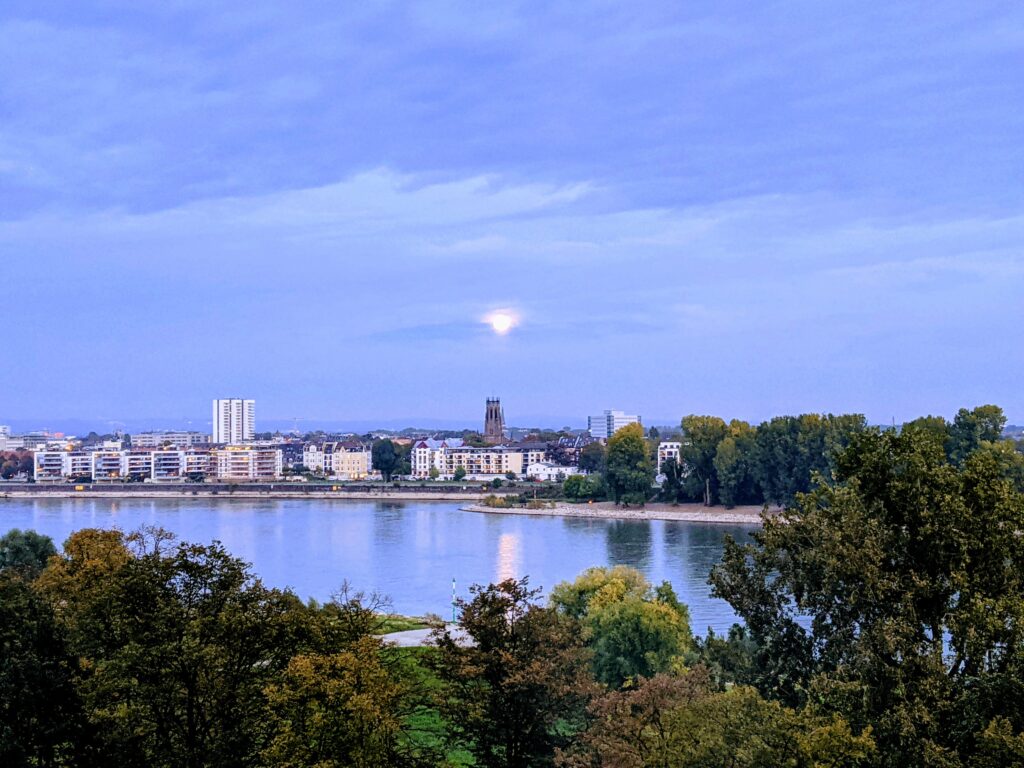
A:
(883, 625)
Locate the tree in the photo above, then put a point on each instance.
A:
(673, 482)
(385, 458)
(892, 596)
(633, 630)
(41, 717)
(25, 550)
(583, 487)
(683, 723)
(434, 473)
(971, 429)
(511, 476)
(734, 466)
(701, 436)
(629, 471)
(592, 458)
(517, 691)
(179, 643)
(459, 473)
(349, 708)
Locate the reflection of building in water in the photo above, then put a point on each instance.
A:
(509, 556)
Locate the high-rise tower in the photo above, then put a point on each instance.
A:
(494, 422)
(234, 420)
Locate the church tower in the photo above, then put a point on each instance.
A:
(494, 422)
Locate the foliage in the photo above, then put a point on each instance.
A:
(701, 436)
(385, 458)
(342, 709)
(893, 597)
(513, 695)
(730, 659)
(734, 466)
(629, 471)
(682, 722)
(41, 717)
(592, 458)
(971, 428)
(25, 550)
(633, 630)
(459, 473)
(583, 487)
(434, 473)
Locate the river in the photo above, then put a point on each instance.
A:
(409, 551)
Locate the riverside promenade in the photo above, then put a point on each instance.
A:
(284, 490)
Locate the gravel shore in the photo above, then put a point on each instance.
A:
(693, 513)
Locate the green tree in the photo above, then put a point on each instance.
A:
(517, 691)
(633, 629)
(592, 458)
(893, 597)
(385, 458)
(25, 550)
(629, 471)
(179, 642)
(459, 473)
(41, 718)
(583, 487)
(972, 428)
(701, 436)
(434, 473)
(734, 466)
(681, 722)
(349, 708)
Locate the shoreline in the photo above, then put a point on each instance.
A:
(238, 494)
(606, 510)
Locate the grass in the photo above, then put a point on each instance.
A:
(428, 728)
(394, 622)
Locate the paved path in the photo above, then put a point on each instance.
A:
(419, 638)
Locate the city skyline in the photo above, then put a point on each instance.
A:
(367, 214)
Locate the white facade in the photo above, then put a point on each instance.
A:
(248, 463)
(234, 421)
(545, 470)
(174, 439)
(668, 451)
(610, 422)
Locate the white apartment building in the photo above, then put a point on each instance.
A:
(480, 463)
(344, 461)
(610, 422)
(545, 470)
(172, 439)
(233, 463)
(234, 421)
(668, 451)
(237, 463)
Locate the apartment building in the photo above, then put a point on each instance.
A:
(234, 421)
(240, 463)
(232, 463)
(668, 450)
(344, 460)
(479, 462)
(172, 439)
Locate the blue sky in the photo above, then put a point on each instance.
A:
(740, 208)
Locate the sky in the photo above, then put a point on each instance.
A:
(745, 209)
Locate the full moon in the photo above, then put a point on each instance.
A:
(501, 322)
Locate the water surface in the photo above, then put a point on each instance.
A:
(409, 551)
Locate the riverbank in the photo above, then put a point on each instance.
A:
(272, 491)
(606, 510)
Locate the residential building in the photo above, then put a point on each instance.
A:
(48, 466)
(479, 462)
(171, 439)
(108, 465)
(546, 470)
(610, 422)
(234, 421)
(241, 463)
(344, 460)
(668, 451)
